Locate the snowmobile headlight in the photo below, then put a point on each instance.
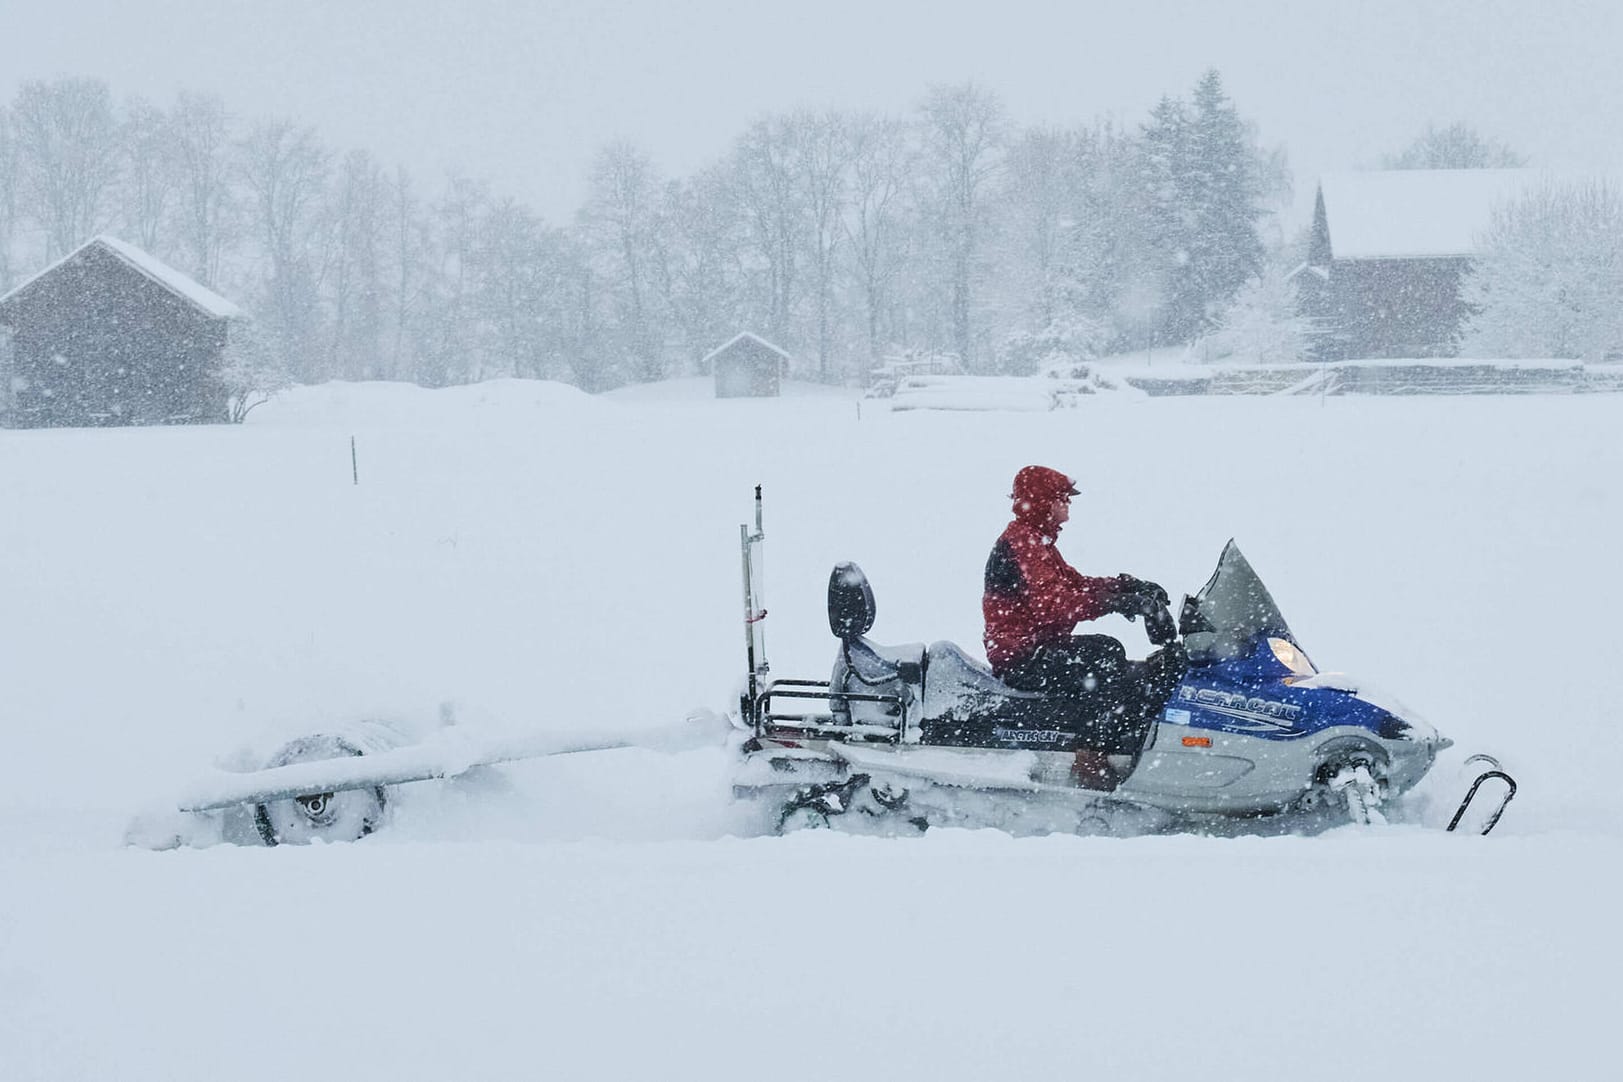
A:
(1290, 657)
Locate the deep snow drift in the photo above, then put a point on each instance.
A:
(174, 598)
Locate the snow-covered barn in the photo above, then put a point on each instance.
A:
(1388, 252)
(110, 335)
(747, 365)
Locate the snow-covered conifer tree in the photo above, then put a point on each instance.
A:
(1226, 194)
(1203, 184)
(1262, 325)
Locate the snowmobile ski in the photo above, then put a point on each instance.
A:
(1494, 772)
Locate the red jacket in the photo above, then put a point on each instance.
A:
(1032, 595)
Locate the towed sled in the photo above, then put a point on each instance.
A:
(1248, 736)
(338, 785)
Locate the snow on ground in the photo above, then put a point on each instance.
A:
(175, 598)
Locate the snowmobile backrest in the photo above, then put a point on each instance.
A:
(850, 602)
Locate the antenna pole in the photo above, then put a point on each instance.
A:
(754, 613)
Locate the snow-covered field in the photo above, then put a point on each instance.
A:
(176, 598)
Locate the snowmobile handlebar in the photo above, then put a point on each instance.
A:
(1160, 627)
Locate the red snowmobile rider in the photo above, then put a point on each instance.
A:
(1033, 601)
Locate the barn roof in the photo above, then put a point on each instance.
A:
(1416, 213)
(200, 297)
(737, 338)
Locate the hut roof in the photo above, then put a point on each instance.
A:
(739, 337)
(200, 297)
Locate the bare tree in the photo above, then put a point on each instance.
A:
(696, 265)
(622, 220)
(68, 150)
(206, 209)
(285, 170)
(449, 351)
(8, 198)
(1458, 146)
(408, 255)
(964, 131)
(823, 162)
(356, 289)
(1108, 267)
(875, 221)
(773, 209)
(150, 173)
(591, 368)
(1041, 203)
(523, 277)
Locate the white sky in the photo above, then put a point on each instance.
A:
(524, 93)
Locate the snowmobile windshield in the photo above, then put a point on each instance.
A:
(1231, 612)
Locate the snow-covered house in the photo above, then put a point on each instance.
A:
(1387, 255)
(747, 365)
(109, 335)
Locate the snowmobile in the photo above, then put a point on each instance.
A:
(1249, 736)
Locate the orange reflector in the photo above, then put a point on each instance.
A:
(1197, 741)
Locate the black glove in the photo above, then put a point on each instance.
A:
(1135, 597)
(1124, 597)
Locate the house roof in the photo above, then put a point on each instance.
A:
(739, 337)
(200, 297)
(1417, 213)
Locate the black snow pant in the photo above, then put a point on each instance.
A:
(1076, 666)
(1095, 669)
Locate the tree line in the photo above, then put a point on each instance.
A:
(844, 237)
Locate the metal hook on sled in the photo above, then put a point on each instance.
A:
(1493, 771)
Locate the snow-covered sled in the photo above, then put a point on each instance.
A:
(336, 785)
(1251, 736)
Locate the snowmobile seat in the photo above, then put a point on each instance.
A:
(872, 663)
(955, 673)
(966, 706)
(869, 668)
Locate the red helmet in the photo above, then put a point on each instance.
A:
(1039, 486)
